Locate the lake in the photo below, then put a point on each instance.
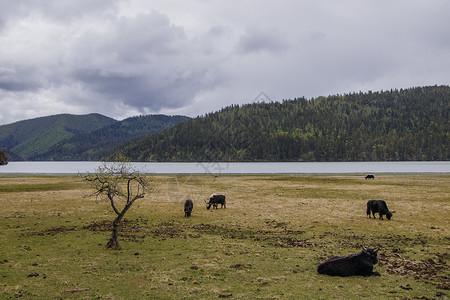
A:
(219, 168)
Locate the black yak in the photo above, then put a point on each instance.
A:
(215, 200)
(351, 265)
(369, 176)
(188, 207)
(380, 207)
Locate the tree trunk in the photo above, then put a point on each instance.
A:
(113, 242)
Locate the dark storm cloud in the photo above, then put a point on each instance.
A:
(151, 92)
(144, 61)
(127, 57)
(140, 63)
(18, 79)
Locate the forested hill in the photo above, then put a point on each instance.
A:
(396, 125)
(97, 144)
(3, 158)
(27, 138)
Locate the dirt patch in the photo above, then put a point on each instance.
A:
(99, 226)
(276, 224)
(126, 225)
(53, 231)
(277, 235)
(433, 270)
(17, 214)
(170, 229)
(136, 230)
(241, 266)
(130, 230)
(207, 228)
(290, 242)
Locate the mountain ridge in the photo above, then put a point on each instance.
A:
(395, 125)
(99, 143)
(76, 137)
(28, 137)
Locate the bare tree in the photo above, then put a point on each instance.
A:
(121, 185)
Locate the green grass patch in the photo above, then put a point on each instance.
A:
(266, 244)
(35, 187)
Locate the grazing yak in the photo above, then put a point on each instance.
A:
(188, 207)
(380, 207)
(369, 176)
(351, 265)
(215, 200)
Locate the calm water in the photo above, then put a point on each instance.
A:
(236, 168)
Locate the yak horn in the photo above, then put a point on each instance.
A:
(364, 247)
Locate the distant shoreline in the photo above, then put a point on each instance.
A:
(244, 168)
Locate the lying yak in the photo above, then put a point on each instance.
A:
(215, 200)
(188, 207)
(351, 265)
(380, 207)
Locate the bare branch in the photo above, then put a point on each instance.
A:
(111, 198)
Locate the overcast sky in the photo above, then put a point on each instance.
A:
(123, 58)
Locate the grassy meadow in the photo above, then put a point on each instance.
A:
(266, 244)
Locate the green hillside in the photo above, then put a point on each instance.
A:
(97, 144)
(30, 137)
(396, 125)
(3, 158)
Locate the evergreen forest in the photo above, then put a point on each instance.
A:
(396, 125)
(3, 158)
(23, 140)
(99, 143)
